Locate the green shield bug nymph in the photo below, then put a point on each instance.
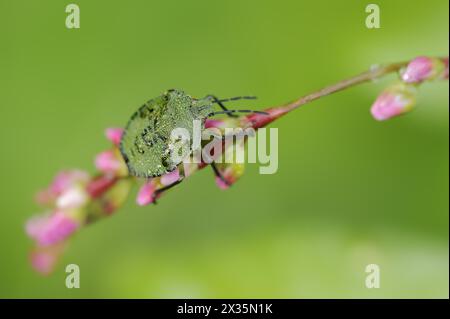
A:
(146, 142)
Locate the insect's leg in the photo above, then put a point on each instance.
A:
(219, 102)
(218, 174)
(163, 189)
(237, 98)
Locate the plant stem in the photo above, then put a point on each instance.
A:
(257, 120)
(370, 75)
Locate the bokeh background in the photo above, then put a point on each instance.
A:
(349, 191)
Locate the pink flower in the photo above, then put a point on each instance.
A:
(74, 197)
(107, 162)
(114, 135)
(61, 183)
(66, 179)
(393, 101)
(170, 178)
(48, 230)
(146, 194)
(422, 68)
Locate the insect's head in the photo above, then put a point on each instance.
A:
(201, 108)
(178, 101)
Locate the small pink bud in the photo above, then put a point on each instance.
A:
(394, 101)
(100, 184)
(214, 123)
(170, 178)
(146, 194)
(444, 73)
(107, 162)
(258, 120)
(422, 68)
(114, 135)
(48, 230)
(43, 261)
(221, 184)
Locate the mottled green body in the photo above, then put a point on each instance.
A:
(146, 142)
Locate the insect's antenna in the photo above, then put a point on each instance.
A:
(225, 110)
(236, 98)
(236, 111)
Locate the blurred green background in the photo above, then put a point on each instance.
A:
(349, 191)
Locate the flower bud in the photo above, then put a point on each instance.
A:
(444, 73)
(214, 123)
(170, 178)
(258, 120)
(395, 100)
(111, 162)
(423, 68)
(146, 194)
(43, 259)
(107, 162)
(114, 135)
(49, 230)
(61, 183)
(221, 183)
(99, 185)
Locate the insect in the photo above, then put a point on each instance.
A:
(146, 142)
